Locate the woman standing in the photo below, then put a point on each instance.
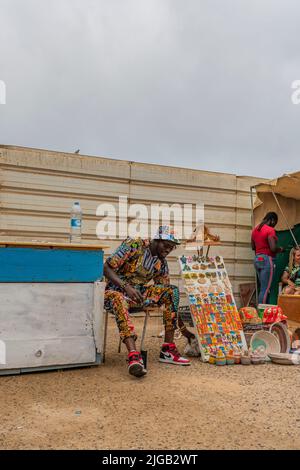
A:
(264, 242)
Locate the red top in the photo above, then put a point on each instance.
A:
(260, 238)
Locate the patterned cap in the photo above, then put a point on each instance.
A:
(166, 233)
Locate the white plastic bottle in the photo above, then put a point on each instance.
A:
(75, 223)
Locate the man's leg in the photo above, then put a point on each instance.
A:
(186, 333)
(169, 297)
(116, 302)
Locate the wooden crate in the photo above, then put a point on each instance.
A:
(50, 325)
(51, 299)
(290, 305)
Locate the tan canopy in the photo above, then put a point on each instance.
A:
(287, 191)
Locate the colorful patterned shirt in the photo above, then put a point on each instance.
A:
(294, 274)
(133, 261)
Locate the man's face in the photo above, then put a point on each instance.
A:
(164, 247)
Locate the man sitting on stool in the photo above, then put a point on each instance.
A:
(129, 270)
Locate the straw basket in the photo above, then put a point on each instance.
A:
(281, 332)
(266, 339)
(283, 358)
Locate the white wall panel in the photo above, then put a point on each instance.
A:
(37, 188)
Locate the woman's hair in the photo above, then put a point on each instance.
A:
(291, 258)
(269, 217)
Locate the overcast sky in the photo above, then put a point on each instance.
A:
(204, 84)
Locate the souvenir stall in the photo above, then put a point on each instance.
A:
(280, 195)
(282, 316)
(214, 313)
(212, 305)
(225, 335)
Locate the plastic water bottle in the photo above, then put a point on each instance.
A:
(75, 223)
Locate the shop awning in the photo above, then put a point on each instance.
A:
(284, 191)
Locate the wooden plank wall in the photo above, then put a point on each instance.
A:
(38, 187)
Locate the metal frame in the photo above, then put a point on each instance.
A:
(147, 311)
(285, 219)
(99, 360)
(252, 223)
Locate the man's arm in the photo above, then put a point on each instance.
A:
(122, 254)
(132, 293)
(111, 275)
(186, 333)
(161, 279)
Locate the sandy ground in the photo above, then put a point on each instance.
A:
(196, 407)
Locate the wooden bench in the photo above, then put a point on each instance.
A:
(290, 305)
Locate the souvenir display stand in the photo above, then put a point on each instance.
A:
(213, 309)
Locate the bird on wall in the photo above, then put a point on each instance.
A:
(77, 151)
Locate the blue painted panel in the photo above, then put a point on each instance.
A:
(19, 264)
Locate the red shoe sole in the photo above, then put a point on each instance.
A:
(168, 361)
(137, 370)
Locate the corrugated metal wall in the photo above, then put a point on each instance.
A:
(38, 187)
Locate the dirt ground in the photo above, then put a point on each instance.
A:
(196, 407)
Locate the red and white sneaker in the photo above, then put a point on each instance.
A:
(170, 355)
(135, 364)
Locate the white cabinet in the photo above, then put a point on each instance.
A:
(50, 325)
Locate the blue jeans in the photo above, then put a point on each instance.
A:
(264, 266)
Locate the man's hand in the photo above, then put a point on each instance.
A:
(133, 294)
(291, 284)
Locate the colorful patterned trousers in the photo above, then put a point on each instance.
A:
(157, 295)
